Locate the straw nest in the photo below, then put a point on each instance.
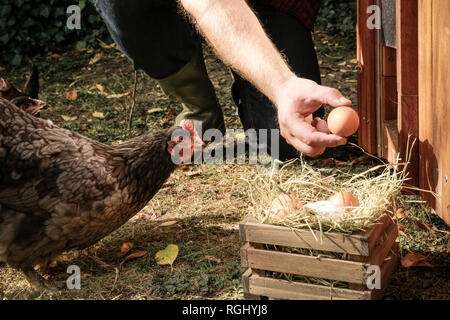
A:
(375, 189)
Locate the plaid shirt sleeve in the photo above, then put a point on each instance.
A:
(304, 10)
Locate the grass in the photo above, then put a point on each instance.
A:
(209, 204)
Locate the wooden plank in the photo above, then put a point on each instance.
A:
(390, 140)
(434, 96)
(389, 62)
(310, 266)
(407, 46)
(283, 289)
(389, 105)
(377, 230)
(428, 167)
(407, 79)
(367, 91)
(298, 238)
(244, 260)
(246, 287)
(389, 108)
(380, 251)
(408, 124)
(387, 271)
(357, 286)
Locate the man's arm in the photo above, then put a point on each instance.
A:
(239, 39)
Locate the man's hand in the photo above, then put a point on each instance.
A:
(296, 99)
(238, 37)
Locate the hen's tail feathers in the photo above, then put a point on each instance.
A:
(31, 87)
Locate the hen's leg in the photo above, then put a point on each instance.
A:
(36, 280)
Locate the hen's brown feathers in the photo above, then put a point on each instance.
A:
(61, 190)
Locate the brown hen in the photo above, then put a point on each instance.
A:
(60, 190)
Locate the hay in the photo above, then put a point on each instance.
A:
(375, 188)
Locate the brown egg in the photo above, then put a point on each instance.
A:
(343, 121)
(344, 199)
(285, 204)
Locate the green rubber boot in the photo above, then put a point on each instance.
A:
(191, 86)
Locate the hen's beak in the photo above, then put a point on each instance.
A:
(198, 143)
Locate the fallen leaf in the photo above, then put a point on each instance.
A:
(103, 44)
(329, 162)
(134, 255)
(364, 159)
(422, 225)
(343, 63)
(402, 227)
(126, 246)
(98, 115)
(55, 56)
(168, 223)
(2, 69)
(415, 260)
(117, 95)
(69, 118)
(171, 113)
(167, 184)
(72, 94)
(154, 110)
(401, 213)
(98, 57)
(167, 256)
(341, 163)
(193, 173)
(351, 81)
(334, 57)
(41, 81)
(212, 258)
(354, 61)
(100, 87)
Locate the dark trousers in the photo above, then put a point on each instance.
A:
(158, 39)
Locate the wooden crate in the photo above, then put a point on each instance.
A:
(374, 247)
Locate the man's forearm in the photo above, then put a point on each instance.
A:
(239, 39)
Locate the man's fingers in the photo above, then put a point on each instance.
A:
(304, 148)
(321, 125)
(304, 132)
(333, 97)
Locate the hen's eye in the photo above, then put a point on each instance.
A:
(180, 139)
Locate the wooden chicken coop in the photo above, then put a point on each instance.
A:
(404, 89)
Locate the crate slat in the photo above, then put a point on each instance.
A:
(246, 286)
(333, 269)
(379, 253)
(284, 289)
(276, 235)
(374, 234)
(387, 271)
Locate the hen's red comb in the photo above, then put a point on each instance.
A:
(187, 125)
